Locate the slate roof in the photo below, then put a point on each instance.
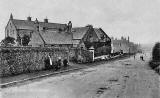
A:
(100, 32)
(51, 38)
(79, 32)
(36, 39)
(56, 37)
(25, 24)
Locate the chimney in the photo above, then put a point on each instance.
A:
(46, 20)
(36, 25)
(69, 26)
(29, 18)
(122, 38)
(36, 21)
(90, 26)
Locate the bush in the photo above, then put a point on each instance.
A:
(8, 41)
(25, 40)
(155, 56)
(153, 64)
(156, 52)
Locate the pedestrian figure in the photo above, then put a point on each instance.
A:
(59, 63)
(141, 57)
(47, 63)
(50, 60)
(134, 56)
(65, 62)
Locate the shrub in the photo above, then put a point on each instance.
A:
(25, 40)
(156, 52)
(8, 41)
(155, 56)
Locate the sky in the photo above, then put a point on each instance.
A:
(138, 19)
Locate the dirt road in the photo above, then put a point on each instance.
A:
(128, 78)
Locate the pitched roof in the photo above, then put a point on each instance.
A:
(100, 32)
(79, 32)
(25, 24)
(51, 37)
(36, 39)
(56, 37)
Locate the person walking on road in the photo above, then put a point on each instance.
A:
(134, 56)
(141, 57)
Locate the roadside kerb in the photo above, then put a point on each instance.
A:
(41, 76)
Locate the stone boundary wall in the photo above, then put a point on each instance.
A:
(17, 60)
(80, 55)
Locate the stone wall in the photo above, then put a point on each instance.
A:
(20, 60)
(80, 55)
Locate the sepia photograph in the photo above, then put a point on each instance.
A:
(80, 49)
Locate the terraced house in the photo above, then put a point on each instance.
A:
(47, 34)
(123, 45)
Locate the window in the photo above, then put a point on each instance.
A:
(102, 36)
(7, 32)
(37, 28)
(44, 28)
(11, 25)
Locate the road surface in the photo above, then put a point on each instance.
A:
(128, 78)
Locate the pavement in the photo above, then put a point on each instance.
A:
(125, 78)
(17, 79)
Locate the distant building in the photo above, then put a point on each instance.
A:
(123, 45)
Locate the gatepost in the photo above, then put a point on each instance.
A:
(91, 49)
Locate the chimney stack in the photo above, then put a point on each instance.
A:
(29, 18)
(46, 20)
(36, 21)
(69, 26)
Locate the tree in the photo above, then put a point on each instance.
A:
(154, 64)
(156, 52)
(25, 40)
(8, 41)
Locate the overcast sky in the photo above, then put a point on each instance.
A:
(139, 19)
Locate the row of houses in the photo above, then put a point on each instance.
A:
(46, 34)
(124, 45)
(36, 33)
